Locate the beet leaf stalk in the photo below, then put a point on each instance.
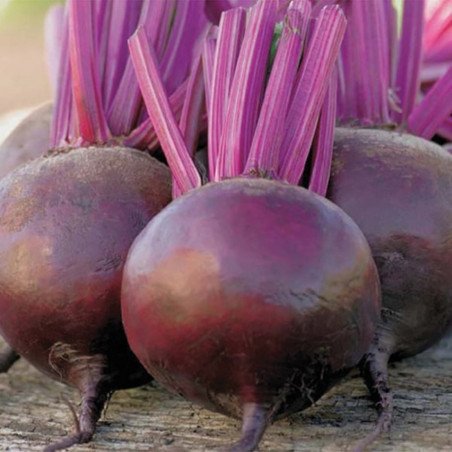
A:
(410, 55)
(323, 141)
(92, 125)
(270, 127)
(432, 113)
(157, 103)
(246, 91)
(191, 115)
(100, 90)
(292, 128)
(208, 57)
(378, 76)
(365, 61)
(232, 25)
(315, 74)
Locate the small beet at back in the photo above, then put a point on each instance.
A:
(29, 140)
(398, 189)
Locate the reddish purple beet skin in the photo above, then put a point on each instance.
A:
(398, 190)
(66, 225)
(29, 140)
(251, 297)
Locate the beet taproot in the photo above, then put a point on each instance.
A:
(66, 224)
(398, 189)
(251, 297)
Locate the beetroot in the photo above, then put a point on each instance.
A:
(251, 297)
(66, 224)
(69, 219)
(29, 140)
(398, 189)
(406, 215)
(243, 267)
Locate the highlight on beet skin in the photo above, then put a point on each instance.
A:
(68, 219)
(239, 295)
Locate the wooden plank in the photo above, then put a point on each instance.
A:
(32, 415)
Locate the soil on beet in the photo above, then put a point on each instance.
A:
(32, 414)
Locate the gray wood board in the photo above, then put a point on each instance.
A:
(32, 414)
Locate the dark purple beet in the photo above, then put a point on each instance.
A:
(250, 297)
(398, 189)
(66, 225)
(29, 140)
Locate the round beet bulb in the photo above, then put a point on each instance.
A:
(398, 190)
(250, 297)
(66, 225)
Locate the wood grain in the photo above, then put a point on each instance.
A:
(32, 414)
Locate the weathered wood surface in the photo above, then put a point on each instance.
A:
(32, 414)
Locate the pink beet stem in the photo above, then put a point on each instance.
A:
(437, 25)
(125, 106)
(434, 109)
(92, 126)
(189, 27)
(246, 91)
(309, 96)
(159, 110)
(144, 136)
(208, 56)
(230, 37)
(122, 23)
(409, 62)
(365, 66)
(191, 115)
(192, 109)
(323, 141)
(264, 153)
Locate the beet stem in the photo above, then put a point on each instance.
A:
(94, 398)
(254, 423)
(159, 110)
(374, 368)
(7, 358)
(246, 91)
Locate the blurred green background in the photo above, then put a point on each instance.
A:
(23, 72)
